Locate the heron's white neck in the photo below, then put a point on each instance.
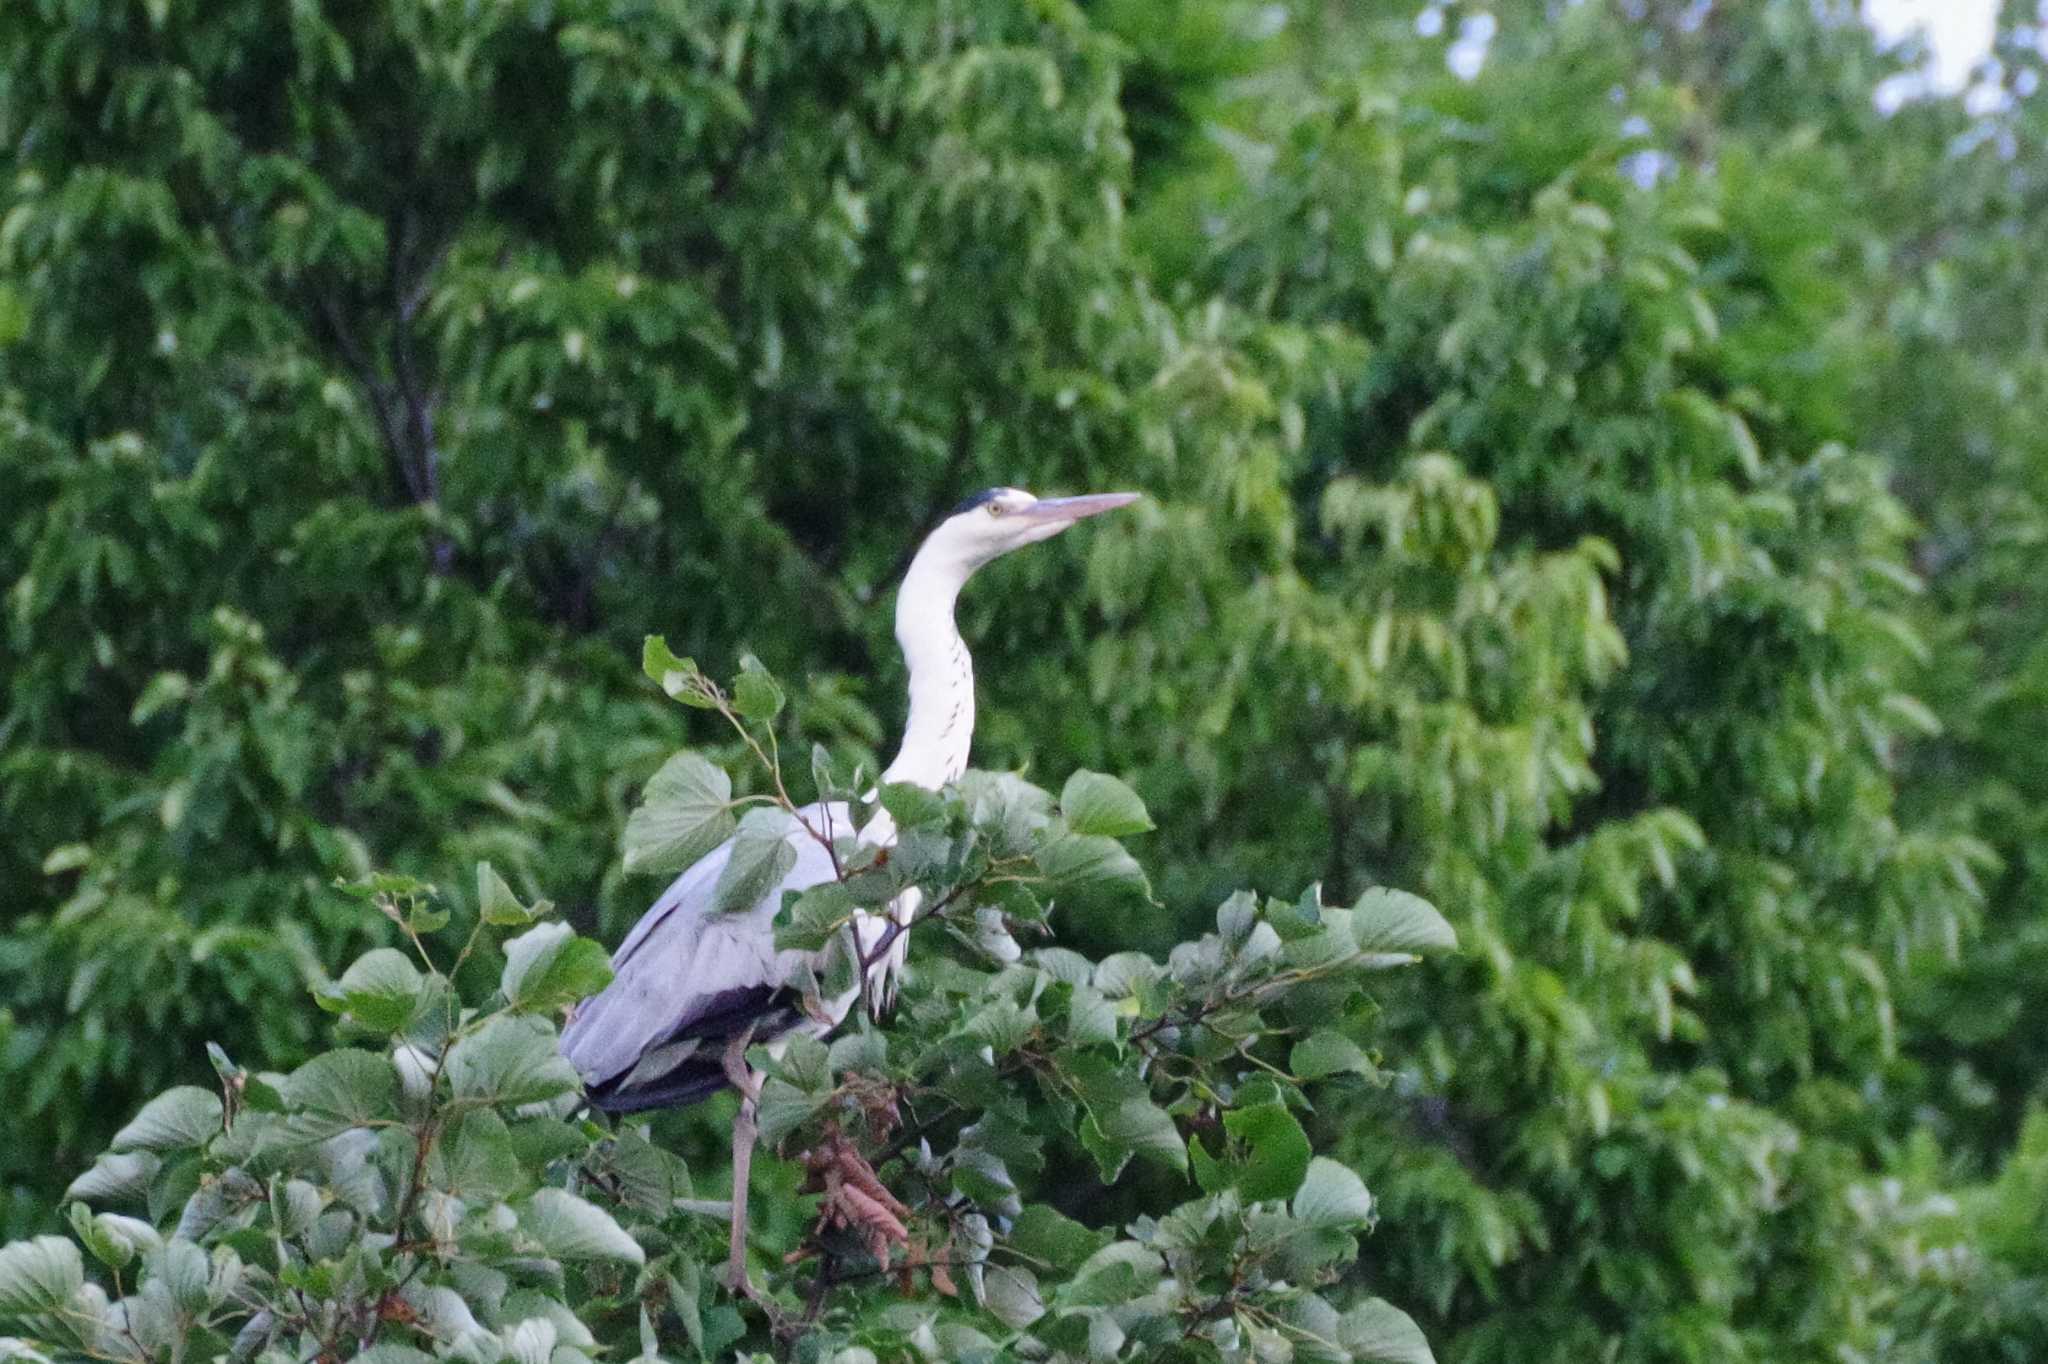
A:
(940, 730)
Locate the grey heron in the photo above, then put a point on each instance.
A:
(692, 988)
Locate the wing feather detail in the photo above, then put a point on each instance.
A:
(685, 973)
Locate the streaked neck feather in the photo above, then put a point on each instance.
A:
(940, 729)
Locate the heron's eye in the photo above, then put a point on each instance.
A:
(995, 508)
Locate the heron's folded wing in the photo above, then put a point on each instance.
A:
(688, 972)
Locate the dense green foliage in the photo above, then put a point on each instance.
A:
(434, 1190)
(1603, 494)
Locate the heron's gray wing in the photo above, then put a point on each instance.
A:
(687, 977)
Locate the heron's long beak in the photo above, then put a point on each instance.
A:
(1068, 509)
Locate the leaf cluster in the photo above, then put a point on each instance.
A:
(432, 1188)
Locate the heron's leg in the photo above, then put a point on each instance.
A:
(744, 1132)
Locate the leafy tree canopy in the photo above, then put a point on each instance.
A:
(1600, 492)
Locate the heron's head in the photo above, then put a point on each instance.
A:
(990, 524)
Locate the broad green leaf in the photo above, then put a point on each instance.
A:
(1080, 860)
(805, 1062)
(1113, 1276)
(755, 692)
(175, 1119)
(1051, 1236)
(182, 1268)
(1277, 1151)
(1009, 810)
(683, 814)
(112, 1251)
(1328, 1052)
(647, 1178)
(1332, 1195)
(1236, 916)
(511, 1059)
(531, 1341)
(1387, 920)
(1012, 1296)
(474, 1159)
(356, 1086)
(861, 1049)
(1377, 1332)
(386, 1352)
(1002, 1023)
(527, 1304)
(1091, 1019)
(809, 921)
(380, 990)
(496, 902)
(1137, 1126)
(679, 677)
(910, 804)
(784, 1108)
(38, 1276)
(116, 1240)
(1126, 974)
(294, 1206)
(1210, 1174)
(549, 966)
(1097, 804)
(570, 1229)
(761, 858)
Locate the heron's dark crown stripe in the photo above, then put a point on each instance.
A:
(985, 495)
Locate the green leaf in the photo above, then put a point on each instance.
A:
(295, 1205)
(910, 804)
(1386, 920)
(510, 1060)
(1009, 810)
(570, 1229)
(496, 902)
(813, 917)
(1211, 1175)
(755, 692)
(183, 1270)
(356, 1086)
(1127, 975)
(1377, 1332)
(175, 1119)
(1012, 1296)
(1332, 1195)
(1091, 1019)
(39, 1276)
(679, 677)
(474, 1159)
(1277, 1151)
(761, 858)
(549, 966)
(683, 814)
(648, 1179)
(1115, 1275)
(862, 1049)
(112, 1251)
(1082, 860)
(380, 990)
(784, 1108)
(386, 1352)
(1045, 1234)
(1327, 1052)
(1094, 803)
(116, 1178)
(1136, 1126)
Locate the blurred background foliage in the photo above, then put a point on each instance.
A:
(1602, 491)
